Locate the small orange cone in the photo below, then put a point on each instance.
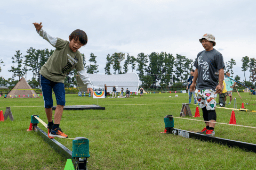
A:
(242, 107)
(232, 118)
(1, 116)
(197, 114)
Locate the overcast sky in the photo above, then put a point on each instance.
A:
(130, 26)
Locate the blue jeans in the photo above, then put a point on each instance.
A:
(190, 95)
(58, 88)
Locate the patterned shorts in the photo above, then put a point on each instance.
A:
(206, 98)
(229, 93)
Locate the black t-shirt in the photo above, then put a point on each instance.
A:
(114, 89)
(127, 92)
(141, 90)
(208, 64)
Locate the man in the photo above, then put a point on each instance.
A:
(230, 84)
(127, 93)
(209, 71)
(190, 93)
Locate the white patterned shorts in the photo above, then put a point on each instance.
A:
(206, 98)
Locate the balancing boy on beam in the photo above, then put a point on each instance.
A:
(65, 58)
(209, 75)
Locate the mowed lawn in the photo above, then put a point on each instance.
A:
(126, 135)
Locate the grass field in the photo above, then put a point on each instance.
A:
(126, 135)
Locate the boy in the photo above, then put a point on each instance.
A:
(209, 71)
(65, 58)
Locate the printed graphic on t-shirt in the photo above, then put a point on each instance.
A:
(205, 68)
(71, 62)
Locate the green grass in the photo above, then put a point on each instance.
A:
(126, 135)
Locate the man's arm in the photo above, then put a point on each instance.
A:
(42, 33)
(221, 78)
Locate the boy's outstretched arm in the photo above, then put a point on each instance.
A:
(42, 33)
(85, 78)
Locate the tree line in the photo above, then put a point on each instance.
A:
(154, 69)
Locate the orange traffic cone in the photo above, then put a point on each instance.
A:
(197, 114)
(1, 116)
(242, 107)
(232, 118)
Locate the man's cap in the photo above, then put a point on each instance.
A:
(208, 37)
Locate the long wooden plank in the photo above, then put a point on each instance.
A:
(203, 137)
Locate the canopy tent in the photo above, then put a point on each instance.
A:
(128, 80)
(22, 89)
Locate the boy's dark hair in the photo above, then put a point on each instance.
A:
(79, 34)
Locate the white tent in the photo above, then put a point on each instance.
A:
(128, 80)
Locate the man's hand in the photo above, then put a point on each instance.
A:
(38, 26)
(192, 87)
(219, 89)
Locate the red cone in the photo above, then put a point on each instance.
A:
(242, 107)
(30, 127)
(232, 118)
(1, 116)
(197, 114)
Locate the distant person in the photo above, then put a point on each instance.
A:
(122, 92)
(222, 95)
(208, 77)
(190, 93)
(65, 58)
(127, 93)
(230, 84)
(141, 91)
(114, 92)
(105, 90)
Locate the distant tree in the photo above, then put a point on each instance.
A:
(188, 65)
(152, 68)
(230, 65)
(18, 70)
(133, 61)
(180, 66)
(108, 64)
(126, 63)
(33, 83)
(117, 59)
(147, 81)
(237, 78)
(252, 66)
(92, 68)
(142, 61)
(3, 82)
(1, 62)
(168, 68)
(245, 65)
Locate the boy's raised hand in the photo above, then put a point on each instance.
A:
(38, 26)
